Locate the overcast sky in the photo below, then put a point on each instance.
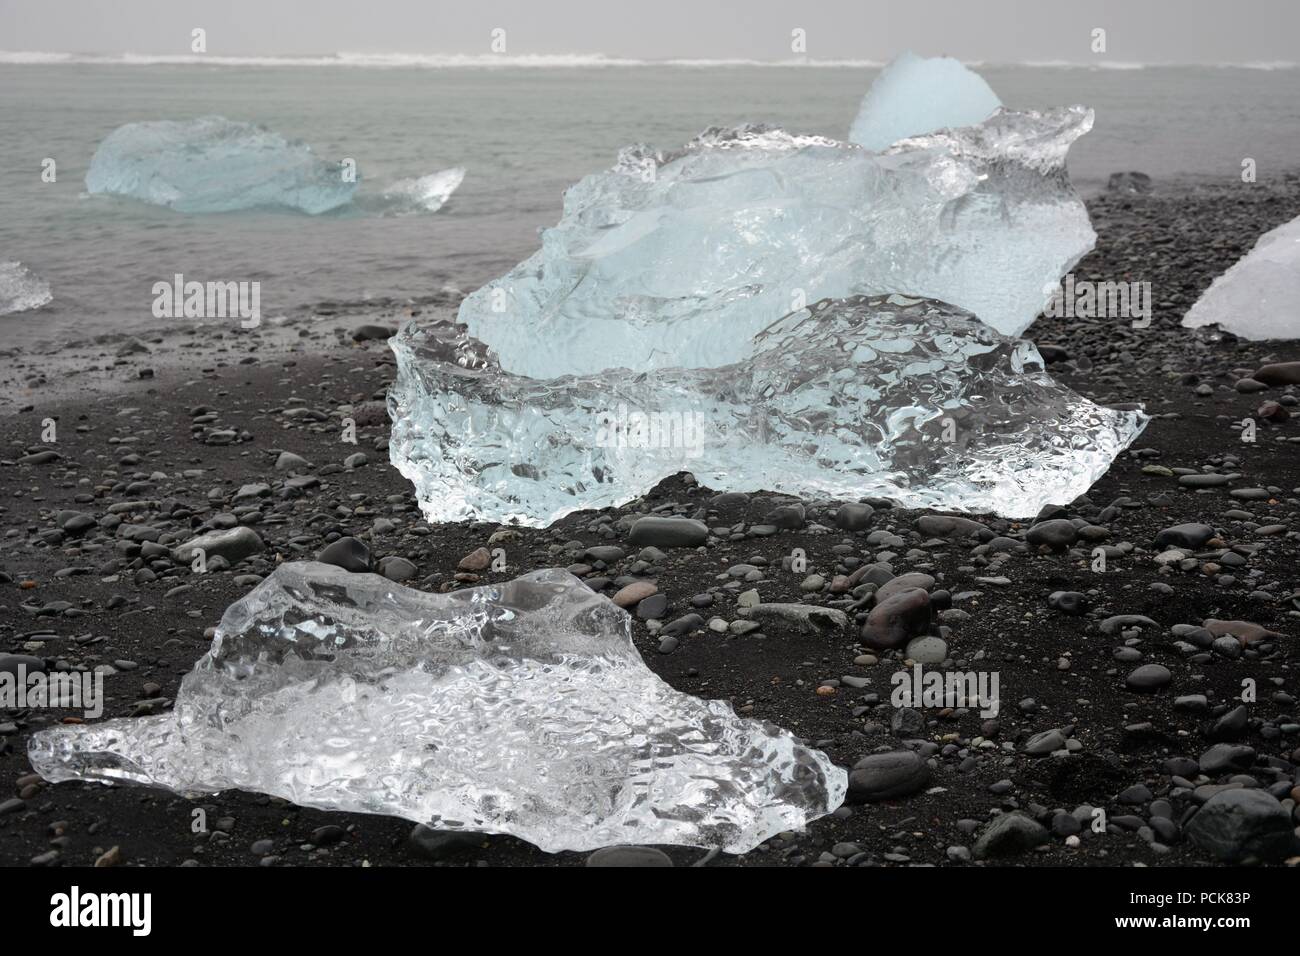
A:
(1154, 31)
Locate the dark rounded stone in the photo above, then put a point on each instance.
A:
(854, 516)
(350, 554)
(9, 664)
(434, 844)
(790, 517)
(1068, 602)
(893, 622)
(1057, 534)
(1009, 835)
(1149, 677)
(668, 532)
(1235, 825)
(629, 856)
(397, 569)
(1279, 373)
(653, 607)
(364, 333)
(1184, 536)
(682, 625)
(888, 776)
(904, 582)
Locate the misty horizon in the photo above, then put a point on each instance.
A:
(1158, 33)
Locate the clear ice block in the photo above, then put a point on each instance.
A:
(519, 708)
(901, 398)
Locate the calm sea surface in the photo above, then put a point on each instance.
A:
(523, 134)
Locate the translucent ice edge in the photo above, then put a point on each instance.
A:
(887, 396)
(520, 708)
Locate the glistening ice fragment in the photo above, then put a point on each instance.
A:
(518, 708)
(900, 398)
(678, 260)
(20, 290)
(427, 193)
(213, 164)
(1256, 298)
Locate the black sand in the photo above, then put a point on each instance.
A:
(80, 599)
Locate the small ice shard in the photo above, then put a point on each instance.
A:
(20, 290)
(680, 260)
(915, 95)
(906, 399)
(213, 164)
(428, 193)
(1257, 297)
(520, 708)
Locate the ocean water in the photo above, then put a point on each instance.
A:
(523, 133)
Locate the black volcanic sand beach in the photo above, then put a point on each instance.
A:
(1116, 696)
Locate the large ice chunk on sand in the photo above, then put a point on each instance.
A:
(915, 95)
(906, 399)
(20, 290)
(678, 260)
(1257, 297)
(213, 164)
(518, 708)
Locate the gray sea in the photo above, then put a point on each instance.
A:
(522, 133)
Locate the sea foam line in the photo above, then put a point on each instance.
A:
(446, 61)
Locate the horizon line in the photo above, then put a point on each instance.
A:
(552, 60)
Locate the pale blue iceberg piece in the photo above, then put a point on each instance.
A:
(915, 95)
(680, 259)
(213, 164)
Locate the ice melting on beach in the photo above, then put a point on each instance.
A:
(1256, 298)
(20, 290)
(663, 326)
(900, 398)
(213, 164)
(518, 708)
(915, 95)
(679, 260)
(428, 193)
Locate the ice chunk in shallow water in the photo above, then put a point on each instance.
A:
(906, 399)
(518, 708)
(680, 260)
(915, 95)
(428, 193)
(20, 290)
(213, 164)
(1257, 297)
